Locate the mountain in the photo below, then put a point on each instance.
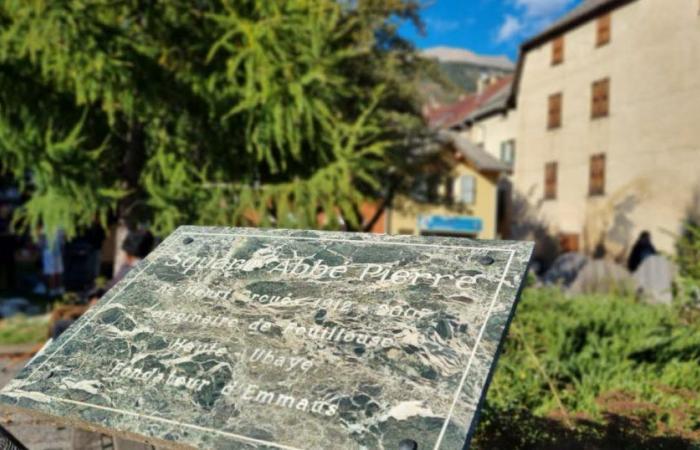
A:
(460, 55)
(464, 68)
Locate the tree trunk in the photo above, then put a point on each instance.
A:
(386, 201)
(129, 216)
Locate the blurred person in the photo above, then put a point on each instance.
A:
(136, 246)
(95, 236)
(52, 262)
(642, 249)
(600, 252)
(82, 258)
(8, 247)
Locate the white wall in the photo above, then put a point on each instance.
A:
(492, 131)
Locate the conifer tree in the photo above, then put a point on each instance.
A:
(227, 112)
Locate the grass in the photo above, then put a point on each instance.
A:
(24, 330)
(595, 372)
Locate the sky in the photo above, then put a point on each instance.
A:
(490, 27)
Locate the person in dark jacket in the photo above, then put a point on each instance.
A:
(137, 245)
(640, 251)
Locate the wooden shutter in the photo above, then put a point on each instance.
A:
(604, 30)
(554, 111)
(550, 181)
(569, 242)
(600, 99)
(558, 50)
(597, 175)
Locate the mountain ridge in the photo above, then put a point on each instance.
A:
(459, 72)
(461, 55)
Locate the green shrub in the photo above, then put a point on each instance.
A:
(688, 251)
(688, 260)
(594, 358)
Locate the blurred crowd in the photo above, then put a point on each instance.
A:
(68, 275)
(53, 265)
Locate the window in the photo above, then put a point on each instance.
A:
(600, 99)
(426, 188)
(508, 151)
(467, 189)
(596, 185)
(554, 111)
(550, 181)
(558, 51)
(604, 30)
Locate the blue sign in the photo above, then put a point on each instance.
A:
(450, 224)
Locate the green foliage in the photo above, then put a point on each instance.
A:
(464, 75)
(688, 250)
(596, 357)
(688, 260)
(225, 112)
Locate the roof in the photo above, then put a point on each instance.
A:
(501, 96)
(586, 11)
(495, 104)
(458, 113)
(482, 160)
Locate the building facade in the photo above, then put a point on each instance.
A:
(496, 133)
(459, 198)
(608, 107)
(484, 127)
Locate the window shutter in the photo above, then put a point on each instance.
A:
(600, 99)
(569, 242)
(554, 111)
(550, 181)
(467, 189)
(558, 50)
(604, 30)
(596, 185)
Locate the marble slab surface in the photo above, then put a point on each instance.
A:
(233, 338)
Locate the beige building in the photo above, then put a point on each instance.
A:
(607, 125)
(484, 118)
(494, 125)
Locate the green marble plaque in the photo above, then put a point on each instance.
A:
(278, 339)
